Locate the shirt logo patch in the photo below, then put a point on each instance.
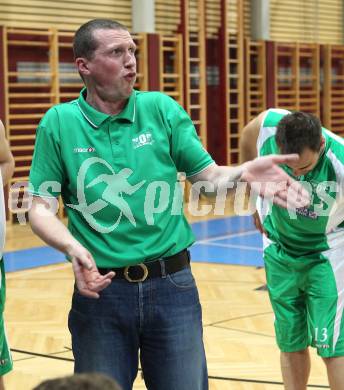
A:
(142, 140)
(305, 212)
(90, 149)
(117, 184)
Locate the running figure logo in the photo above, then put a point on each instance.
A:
(117, 184)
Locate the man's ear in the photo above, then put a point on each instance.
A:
(82, 66)
(322, 142)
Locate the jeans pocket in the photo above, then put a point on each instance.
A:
(182, 279)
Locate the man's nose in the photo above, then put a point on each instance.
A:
(130, 60)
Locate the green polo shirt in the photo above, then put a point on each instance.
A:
(117, 175)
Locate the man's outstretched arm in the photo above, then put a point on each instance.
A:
(263, 174)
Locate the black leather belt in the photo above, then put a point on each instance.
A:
(152, 269)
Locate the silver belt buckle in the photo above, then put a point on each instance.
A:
(142, 279)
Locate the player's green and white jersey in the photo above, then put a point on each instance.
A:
(320, 226)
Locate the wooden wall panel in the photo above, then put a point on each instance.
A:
(296, 75)
(194, 43)
(234, 73)
(333, 88)
(255, 78)
(213, 18)
(167, 16)
(233, 16)
(62, 14)
(171, 66)
(247, 18)
(306, 21)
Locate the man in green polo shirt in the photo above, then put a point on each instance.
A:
(114, 155)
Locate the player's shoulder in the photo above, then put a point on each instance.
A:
(334, 144)
(60, 109)
(151, 103)
(153, 97)
(272, 116)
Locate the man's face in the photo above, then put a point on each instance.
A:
(307, 161)
(112, 68)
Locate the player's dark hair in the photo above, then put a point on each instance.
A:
(297, 131)
(87, 381)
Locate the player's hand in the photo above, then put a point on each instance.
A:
(258, 224)
(270, 181)
(87, 277)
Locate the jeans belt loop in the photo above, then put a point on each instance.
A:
(163, 269)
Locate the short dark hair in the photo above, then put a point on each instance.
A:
(297, 131)
(89, 381)
(84, 43)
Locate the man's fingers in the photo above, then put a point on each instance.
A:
(297, 195)
(284, 158)
(97, 282)
(295, 190)
(286, 200)
(88, 293)
(97, 286)
(109, 275)
(95, 277)
(81, 282)
(293, 195)
(89, 281)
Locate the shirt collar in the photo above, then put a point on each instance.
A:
(96, 118)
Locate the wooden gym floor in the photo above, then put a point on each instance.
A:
(238, 320)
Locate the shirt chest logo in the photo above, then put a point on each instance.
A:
(143, 139)
(89, 149)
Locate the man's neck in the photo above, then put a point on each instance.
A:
(105, 106)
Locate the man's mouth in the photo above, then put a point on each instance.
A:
(130, 75)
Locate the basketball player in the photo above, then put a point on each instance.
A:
(303, 251)
(6, 167)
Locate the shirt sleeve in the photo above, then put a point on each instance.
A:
(187, 150)
(46, 173)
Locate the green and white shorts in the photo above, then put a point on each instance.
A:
(307, 296)
(5, 353)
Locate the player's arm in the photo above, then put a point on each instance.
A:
(6, 157)
(50, 229)
(248, 151)
(248, 139)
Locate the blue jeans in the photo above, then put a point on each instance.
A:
(160, 317)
